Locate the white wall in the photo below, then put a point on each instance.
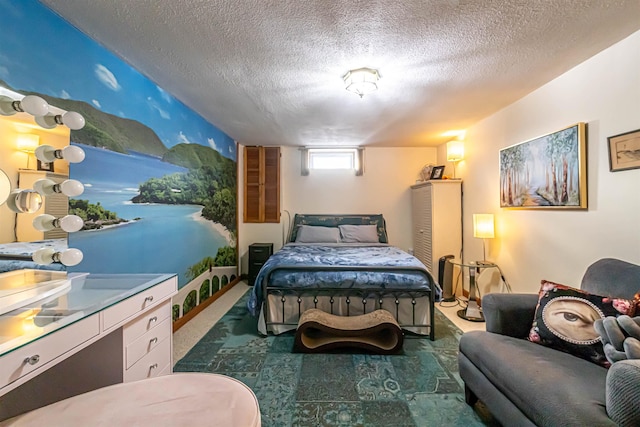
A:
(384, 188)
(531, 245)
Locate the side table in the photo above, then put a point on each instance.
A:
(473, 312)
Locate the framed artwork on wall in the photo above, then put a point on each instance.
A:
(43, 166)
(624, 151)
(436, 172)
(548, 172)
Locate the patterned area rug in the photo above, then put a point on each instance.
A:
(419, 387)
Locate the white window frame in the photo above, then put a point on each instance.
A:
(351, 159)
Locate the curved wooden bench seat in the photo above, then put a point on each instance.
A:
(377, 331)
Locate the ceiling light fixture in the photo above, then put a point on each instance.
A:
(362, 81)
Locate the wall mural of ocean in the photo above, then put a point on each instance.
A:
(160, 180)
(165, 238)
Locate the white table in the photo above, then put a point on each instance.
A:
(106, 329)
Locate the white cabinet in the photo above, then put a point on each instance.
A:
(437, 221)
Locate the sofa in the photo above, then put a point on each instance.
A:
(525, 384)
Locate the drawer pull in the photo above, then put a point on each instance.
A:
(149, 298)
(153, 319)
(32, 360)
(152, 367)
(153, 340)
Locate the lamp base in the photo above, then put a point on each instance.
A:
(472, 313)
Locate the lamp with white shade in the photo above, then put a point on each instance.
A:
(455, 153)
(483, 229)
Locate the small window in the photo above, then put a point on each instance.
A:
(332, 159)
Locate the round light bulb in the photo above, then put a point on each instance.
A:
(73, 154)
(24, 201)
(71, 188)
(44, 222)
(70, 257)
(43, 256)
(34, 105)
(70, 223)
(73, 120)
(45, 153)
(47, 122)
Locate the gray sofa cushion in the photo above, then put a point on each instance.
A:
(623, 394)
(550, 387)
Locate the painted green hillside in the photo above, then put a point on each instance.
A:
(193, 156)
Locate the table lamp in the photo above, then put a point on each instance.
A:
(483, 229)
(455, 153)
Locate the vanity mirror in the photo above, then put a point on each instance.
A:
(34, 219)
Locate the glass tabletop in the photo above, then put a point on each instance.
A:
(473, 264)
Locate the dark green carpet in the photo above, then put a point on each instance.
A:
(420, 387)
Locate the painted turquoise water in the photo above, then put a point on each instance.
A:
(166, 238)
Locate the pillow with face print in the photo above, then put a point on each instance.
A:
(564, 320)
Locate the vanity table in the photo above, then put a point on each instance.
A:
(103, 329)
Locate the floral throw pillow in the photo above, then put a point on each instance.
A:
(564, 320)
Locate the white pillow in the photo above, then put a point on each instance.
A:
(317, 234)
(359, 233)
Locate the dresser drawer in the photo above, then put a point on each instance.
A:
(146, 322)
(15, 364)
(146, 343)
(138, 303)
(152, 364)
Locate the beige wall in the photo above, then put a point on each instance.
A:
(531, 245)
(384, 188)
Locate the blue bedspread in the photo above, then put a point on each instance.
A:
(413, 275)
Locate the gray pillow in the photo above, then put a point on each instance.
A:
(359, 233)
(317, 234)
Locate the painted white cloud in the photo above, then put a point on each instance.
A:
(107, 78)
(182, 139)
(154, 106)
(64, 94)
(212, 144)
(230, 150)
(96, 103)
(168, 98)
(4, 72)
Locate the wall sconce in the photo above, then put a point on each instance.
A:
(24, 201)
(362, 81)
(69, 187)
(455, 153)
(483, 229)
(68, 223)
(30, 104)
(71, 153)
(71, 119)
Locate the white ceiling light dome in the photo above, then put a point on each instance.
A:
(362, 81)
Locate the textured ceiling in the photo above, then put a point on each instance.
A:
(270, 72)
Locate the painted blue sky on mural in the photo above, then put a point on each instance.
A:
(43, 58)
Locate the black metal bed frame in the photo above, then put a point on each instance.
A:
(364, 295)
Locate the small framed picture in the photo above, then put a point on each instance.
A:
(42, 166)
(624, 151)
(436, 172)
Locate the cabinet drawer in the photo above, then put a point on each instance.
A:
(152, 364)
(14, 365)
(146, 322)
(147, 342)
(138, 303)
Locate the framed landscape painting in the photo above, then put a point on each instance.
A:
(624, 151)
(548, 172)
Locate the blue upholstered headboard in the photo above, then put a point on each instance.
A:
(336, 220)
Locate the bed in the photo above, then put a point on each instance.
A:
(342, 264)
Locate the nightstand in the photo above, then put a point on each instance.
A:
(259, 253)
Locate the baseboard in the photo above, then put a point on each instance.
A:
(198, 308)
